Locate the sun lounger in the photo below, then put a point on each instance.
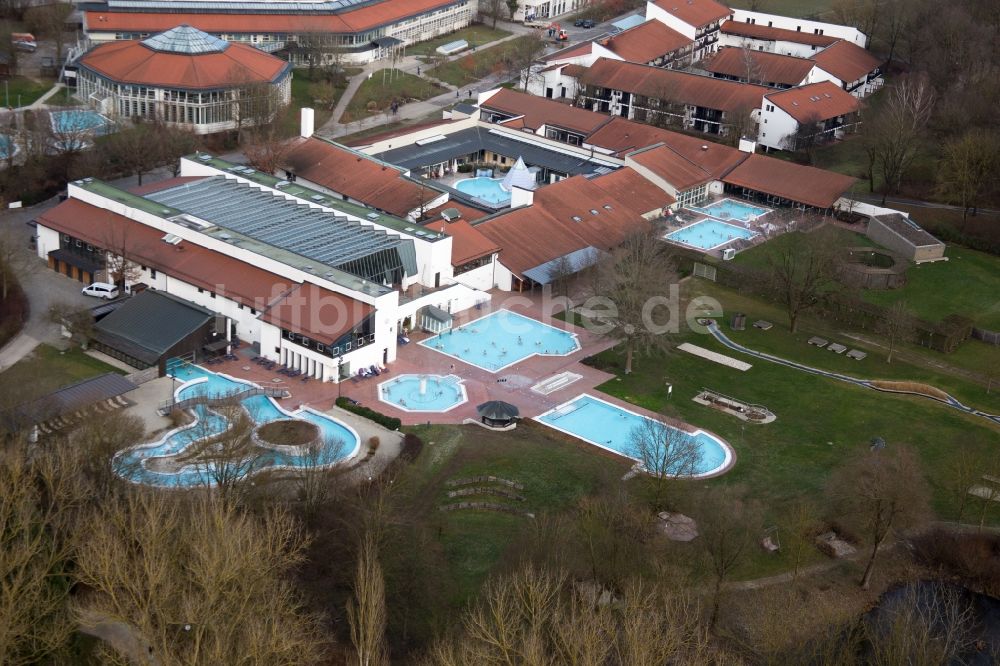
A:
(856, 354)
(837, 348)
(818, 341)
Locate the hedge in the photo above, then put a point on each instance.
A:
(390, 422)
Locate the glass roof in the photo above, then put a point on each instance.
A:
(185, 39)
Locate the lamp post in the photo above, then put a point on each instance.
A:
(340, 375)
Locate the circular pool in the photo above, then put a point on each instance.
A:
(423, 393)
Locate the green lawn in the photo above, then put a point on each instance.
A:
(556, 472)
(22, 91)
(47, 369)
(475, 66)
(476, 35)
(819, 9)
(819, 421)
(760, 256)
(315, 91)
(378, 93)
(967, 284)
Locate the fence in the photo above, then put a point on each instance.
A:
(170, 405)
(142, 376)
(989, 337)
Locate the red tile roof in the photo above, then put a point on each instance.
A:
(623, 136)
(847, 61)
(767, 33)
(192, 263)
(358, 176)
(679, 87)
(467, 242)
(570, 52)
(759, 66)
(695, 12)
(672, 167)
(317, 313)
(357, 20)
(815, 102)
(626, 184)
(538, 111)
(381, 136)
(469, 213)
(647, 42)
(804, 184)
(132, 62)
(535, 234)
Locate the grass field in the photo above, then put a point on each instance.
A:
(378, 93)
(476, 35)
(474, 66)
(22, 91)
(967, 284)
(818, 9)
(316, 92)
(47, 369)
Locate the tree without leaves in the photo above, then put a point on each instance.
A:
(50, 21)
(893, 134)
(967, 171)
(963, 470)
(612, 535)
(512, 7)
(807, 134)
(666, 453)
(16, 260)
(862, 14)
(493, 10)
(803, 273)
(880, 491)
(366, 612)
(39, 498)
(800, 533)
(227, 461)
(897, 324)
(729, 525)
(631, 279)
(196, 580)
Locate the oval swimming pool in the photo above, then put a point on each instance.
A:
(487, 189)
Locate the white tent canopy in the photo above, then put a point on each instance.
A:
(519, 176)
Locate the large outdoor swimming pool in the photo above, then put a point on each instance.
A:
(487, 189)
(79, 120)
(731, 209)
(610, 427)
(161, 463)
(708, 234)
(502, 339)
(423, 393)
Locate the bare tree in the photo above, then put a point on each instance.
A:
(228, 461)
(800, 533)
(16, 261)
(879, 491)
(493, 10)
(893, 134)
(897, 324)
(39, 498)
(611, 533)
(861, 14)
(195, 581)
(807, 135)
(741, 124)
(366, 612)
(266, 149)
(97, 439)
(967, 171)
(928, 624)
(728, 524)
(119, 265)
(960, 474)
(50, 21)
(316, 481)
(631, 279)
(803, 273)
(666, 453)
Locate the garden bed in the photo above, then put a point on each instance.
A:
(288, 432)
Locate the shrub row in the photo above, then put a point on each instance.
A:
(390, 422)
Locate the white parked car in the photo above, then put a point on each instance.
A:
(101, 290)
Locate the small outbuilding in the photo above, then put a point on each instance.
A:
(905, 237)
(435, 320)
(498, 414)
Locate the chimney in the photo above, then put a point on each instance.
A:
(521, 197)
(748, 145)
(308, 123)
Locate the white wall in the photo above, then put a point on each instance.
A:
(479, 278)
(503, 277)
(663, 16)
(775, 126)
(849, 33)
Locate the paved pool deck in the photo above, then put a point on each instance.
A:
(512, 384)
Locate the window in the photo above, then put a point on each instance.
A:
(320, 347)
(152, 273)
(200, 290)
(253, 311)
(79, 243)
(212, 294)
(239, 306)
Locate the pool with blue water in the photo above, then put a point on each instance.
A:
(487, 189)
(611, 427)
(709, 234)
(138, 464)
(501, 339)
(732, 209)
(79, 120)
(6, 145)
(423, 393)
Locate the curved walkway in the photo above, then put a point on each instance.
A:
(951, 401)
